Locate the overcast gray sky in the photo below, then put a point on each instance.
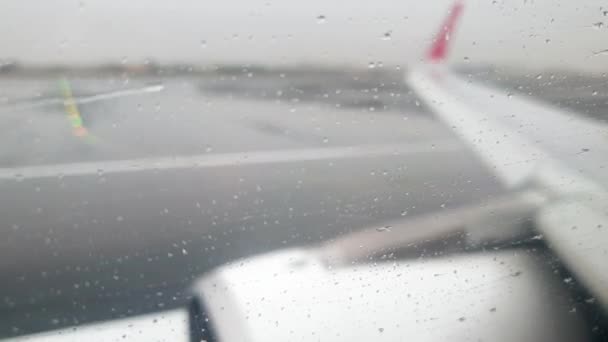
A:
(532, 33)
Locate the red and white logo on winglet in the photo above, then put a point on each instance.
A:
(439, 50)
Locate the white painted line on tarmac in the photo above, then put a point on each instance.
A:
(203, 161)
(28, 104)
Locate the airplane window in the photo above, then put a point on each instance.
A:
(296, 170)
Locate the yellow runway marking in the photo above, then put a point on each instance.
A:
(73, 114)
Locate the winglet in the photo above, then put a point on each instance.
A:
(439, 50)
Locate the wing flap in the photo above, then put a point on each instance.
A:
(578, 234)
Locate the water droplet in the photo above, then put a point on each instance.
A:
(462, 319)
(203, 44)
(381, 329)
(510, 95)
(384, 229)
(598, 25)
(387, 35)
(547, 41)
(208, 148)
(404, 213)
(594, 93)
(184, 251)
(371, 65)
(321, 19)
(600, 53)
(537, 237)
(124, 60)
(325, 140)
(120, 218)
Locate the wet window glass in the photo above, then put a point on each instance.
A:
(303, 170)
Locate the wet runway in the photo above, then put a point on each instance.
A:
(169, 183)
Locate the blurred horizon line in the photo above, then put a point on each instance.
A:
(149, 67)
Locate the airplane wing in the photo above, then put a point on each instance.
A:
(529, 144)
